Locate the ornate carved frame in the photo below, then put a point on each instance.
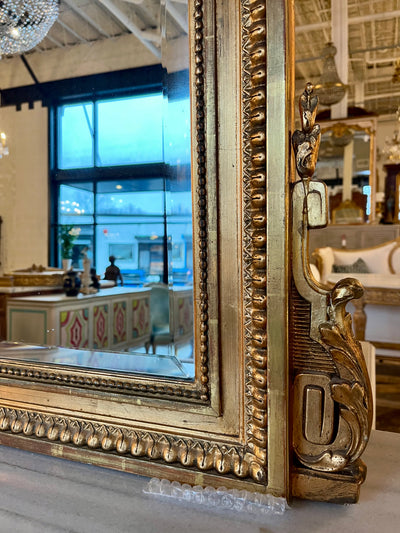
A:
(231, 426)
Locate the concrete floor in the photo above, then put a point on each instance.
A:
(41, 495)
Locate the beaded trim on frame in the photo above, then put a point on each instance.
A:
(247, 461)
(197, 391)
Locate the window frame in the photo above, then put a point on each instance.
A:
(149, 80)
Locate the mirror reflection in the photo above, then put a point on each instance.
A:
(361, 242)
(346, 162)
(113, 277)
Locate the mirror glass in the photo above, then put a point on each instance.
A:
(345, 164)
(123, 231)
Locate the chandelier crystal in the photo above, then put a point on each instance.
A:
(25, 23)
(330, 89)
(3, 145)
(396, 73)
(391, 150)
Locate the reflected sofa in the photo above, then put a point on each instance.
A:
(376, 317)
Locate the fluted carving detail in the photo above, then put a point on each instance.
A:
(192, 453)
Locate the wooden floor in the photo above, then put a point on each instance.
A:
(388, 394)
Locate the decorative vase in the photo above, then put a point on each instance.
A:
(72, 283)
(66, 264)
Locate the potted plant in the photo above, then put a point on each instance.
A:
(67, 236)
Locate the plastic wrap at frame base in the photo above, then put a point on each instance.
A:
(253, 503)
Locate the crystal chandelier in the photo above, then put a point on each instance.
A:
(391, 150)
(330, 89)
(3, 145)
(25, 23)
(396, 73)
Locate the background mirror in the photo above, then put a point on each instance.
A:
(346, 162)
(114, 81)
(366, 37)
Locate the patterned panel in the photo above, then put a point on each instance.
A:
(100, 326)
(119, 322)
(140, 317)
(74, 328)
(184, 315)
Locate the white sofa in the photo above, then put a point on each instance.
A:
(382, 259)
(380, 269)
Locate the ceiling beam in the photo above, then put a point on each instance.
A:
(71, 31)
(354, 52)
(178, 18)
(172, 10)
(54, 41)
(86, 17)
(130, 25)
(352, 20)
(381, 96)
(340, 38)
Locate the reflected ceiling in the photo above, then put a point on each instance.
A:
(86, 21)
(373, 45)
(95, 36)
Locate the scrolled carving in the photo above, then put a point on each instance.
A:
(332, 405)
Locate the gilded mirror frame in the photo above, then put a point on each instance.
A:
(217, 425)
(237, 425)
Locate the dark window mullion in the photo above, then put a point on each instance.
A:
(94, 222)
(95, 135)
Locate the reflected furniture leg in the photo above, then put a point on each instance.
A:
(359, 318)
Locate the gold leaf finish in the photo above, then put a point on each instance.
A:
(254, 259)
(239, 449)
(201, 196)
(332, 402)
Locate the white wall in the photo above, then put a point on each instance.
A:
(24, 188)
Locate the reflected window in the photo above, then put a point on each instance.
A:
(75, 136)
(121, 175)
(130, 130)
(120, 131)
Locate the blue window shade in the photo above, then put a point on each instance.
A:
(177, 132)
(75, 133)
(130, 130)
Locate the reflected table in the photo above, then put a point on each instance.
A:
(111, 319)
